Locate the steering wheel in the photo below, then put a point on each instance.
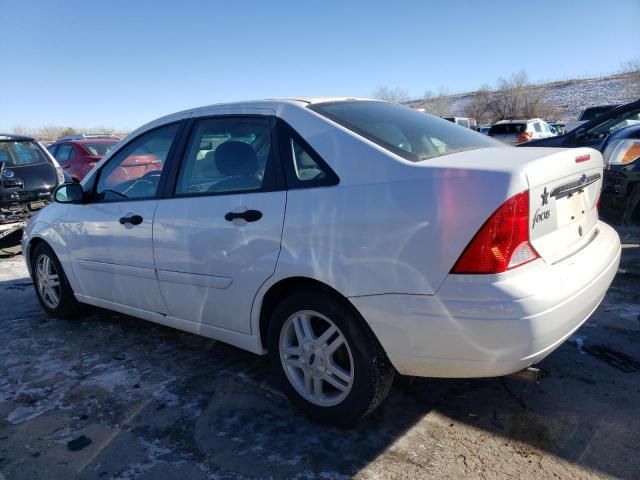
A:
(149, 175)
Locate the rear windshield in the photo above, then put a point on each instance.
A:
(99, 149)
(409, 133)
(20, 153)
(507, 128)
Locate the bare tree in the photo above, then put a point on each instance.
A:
(630, 66)
(22, 130)
(52, 132)
(479, 109)
(439, 105)
(393, 95)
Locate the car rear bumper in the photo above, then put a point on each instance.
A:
(493, 325)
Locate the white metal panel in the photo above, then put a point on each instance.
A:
(112, 261)
(209, 268)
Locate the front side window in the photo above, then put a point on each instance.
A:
(404, 131)
(537, 127)
(134, 172)
(20, 153)
(225, 155)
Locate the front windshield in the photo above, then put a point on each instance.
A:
(606, 128)
(17, 154)
(409, 133)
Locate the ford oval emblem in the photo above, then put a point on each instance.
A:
(583, 178)
(8, 174)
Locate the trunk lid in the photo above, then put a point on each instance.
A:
(30, 178)
(564, 188)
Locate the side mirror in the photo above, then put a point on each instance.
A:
(69, 193)
(580, 134)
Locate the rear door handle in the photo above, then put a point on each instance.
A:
(249, 216)
(132, 219)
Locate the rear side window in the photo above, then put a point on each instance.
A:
(507, 128)
(20, 153)
(303, 166)
(64, 153)
(538, 127)
(98, 149)
(404, 131)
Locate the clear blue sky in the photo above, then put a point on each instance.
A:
(123, 63)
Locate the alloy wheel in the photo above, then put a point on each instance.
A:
(48, 281)
(316, 358)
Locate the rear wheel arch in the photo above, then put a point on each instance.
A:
(341, 384)
(285, 287)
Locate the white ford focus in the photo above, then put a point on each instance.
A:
(349, 239)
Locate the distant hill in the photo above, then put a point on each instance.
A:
(569, 96)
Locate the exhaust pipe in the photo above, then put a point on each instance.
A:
(530, 374)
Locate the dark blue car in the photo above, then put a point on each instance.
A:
(616, 134)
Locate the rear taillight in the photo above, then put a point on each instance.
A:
(502, 243)
(524, 137)
(59, 175)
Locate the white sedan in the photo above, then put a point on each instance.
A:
(349, 239)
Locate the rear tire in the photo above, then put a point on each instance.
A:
(326, 359)
(50, 282)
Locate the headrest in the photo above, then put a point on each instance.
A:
(236, 158)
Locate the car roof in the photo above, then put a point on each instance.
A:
(272, 104)
(522, 120)
(94, 140)
(613, 105)
(12, 137)
(283, 101)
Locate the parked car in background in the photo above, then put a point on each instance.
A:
(557, 127)
(78, 154)
(462, 121)
(621, 189)
(28, 176)
(485, 129)
(594, 132)
(519, 131)
(460, 268)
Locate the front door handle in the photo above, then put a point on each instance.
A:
(249, 216)
(132, 219)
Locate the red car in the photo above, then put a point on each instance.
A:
(77, 154)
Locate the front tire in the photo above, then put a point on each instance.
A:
(326, 358)
(52, 287)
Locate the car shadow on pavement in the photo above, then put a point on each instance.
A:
(159, 403)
